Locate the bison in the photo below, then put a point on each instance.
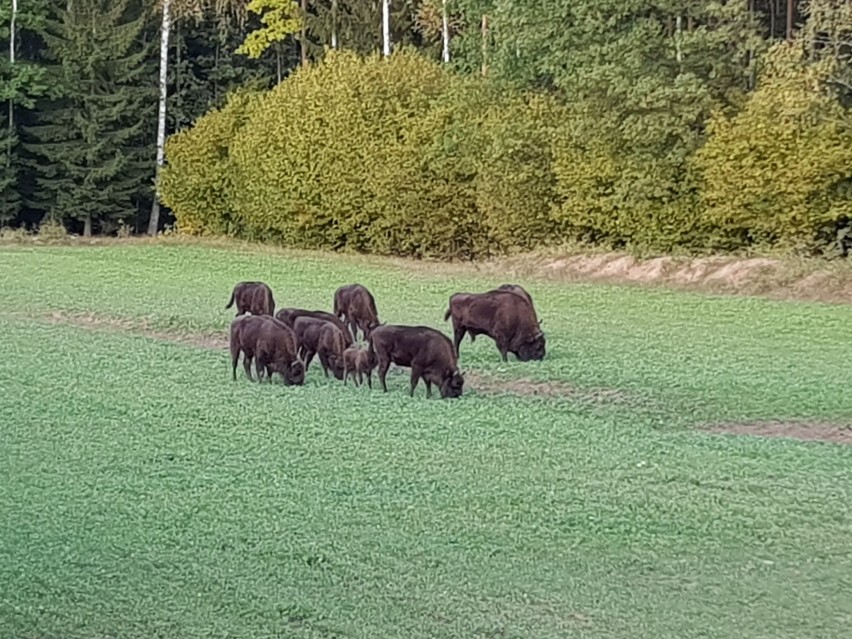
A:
(290, 315)
(358, 362)
(252, 297)
(272, 346)
(505, 316)
(429, 354)
(519, 290)
(330, 347)
(355, 305)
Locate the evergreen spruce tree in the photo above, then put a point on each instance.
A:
(20, 83)
(92, 158)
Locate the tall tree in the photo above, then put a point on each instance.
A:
(386, 29)
(165, 32)
(21, 81)
(91, 157)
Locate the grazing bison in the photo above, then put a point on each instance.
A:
(519, 290)
(252, 297)
(503, 315)
(330, 347)
(290, 315)
(429, 354)
(272, 346)
(358, 362)
(355, 305)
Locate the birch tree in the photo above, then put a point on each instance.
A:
(165, 30)
(445, 32)
(386, 38)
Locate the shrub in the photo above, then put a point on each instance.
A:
(780, 171)
(198, 180)
(390, 156)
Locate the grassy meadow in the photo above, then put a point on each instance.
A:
(145, 494)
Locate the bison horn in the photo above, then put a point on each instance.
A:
(539, 335)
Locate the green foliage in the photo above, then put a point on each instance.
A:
(197, 181)
(405, 159)
(780, 171)
(280, 18)
(91, 156)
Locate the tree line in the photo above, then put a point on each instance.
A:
(657, 123)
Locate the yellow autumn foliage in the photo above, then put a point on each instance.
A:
(780, 171)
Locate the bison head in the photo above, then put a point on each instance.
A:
(294, 373)
(451, 384)
(533, 348)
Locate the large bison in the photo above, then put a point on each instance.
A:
(272, 346)
(252, 297)
(429, 354)
(505, 316)
(520, 290)
(358, 362)
(290, 315)
(355, 305)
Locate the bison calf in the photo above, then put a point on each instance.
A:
(252, 297)
(429, 354)
(355, 305)
(272, 346)
(357, 363)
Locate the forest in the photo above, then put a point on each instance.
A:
(434, 128)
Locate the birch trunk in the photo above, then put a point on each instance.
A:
(165, 27)
(12, 65)
(334, 24)
(445, 32)
(790, 11)
(303, 41)
(484, 45)
(678, 32)
(386, 41)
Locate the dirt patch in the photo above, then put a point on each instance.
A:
(138, 327)
(801, 430)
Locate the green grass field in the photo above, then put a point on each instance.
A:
(146, 495)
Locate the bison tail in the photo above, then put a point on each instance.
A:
(231, 302)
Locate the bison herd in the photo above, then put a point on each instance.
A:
(286, 341)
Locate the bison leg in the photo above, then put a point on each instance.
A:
(324, 363)
(345, 372)
(370, 380)
(235, 357)
(428, 389)
(415, 377)
(458, 336)
(383, 371)
(309, 356)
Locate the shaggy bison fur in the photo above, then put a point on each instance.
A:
(355, 305)
(290, 315)
(506, 316)
(429, 354)
(330, 348)
(272, 346)
(357, 363)
(252, 297)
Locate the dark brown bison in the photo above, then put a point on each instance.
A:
(330, 347)
(307, 330)
(252, 297)
(290, 315)
(429, 354)
(272, 346)
(520, 290)
(503, 315)
(355, 305)
(358, 362)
